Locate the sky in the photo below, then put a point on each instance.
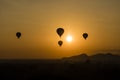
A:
(38, 20)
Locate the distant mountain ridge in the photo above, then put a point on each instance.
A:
(97, 58)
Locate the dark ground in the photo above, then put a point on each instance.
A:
(57, 69)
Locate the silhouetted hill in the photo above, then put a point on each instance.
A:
(77, 58)
(98, 58)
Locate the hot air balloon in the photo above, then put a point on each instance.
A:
(18, 34)
(85, 35)
(60, 43)
(60, 31)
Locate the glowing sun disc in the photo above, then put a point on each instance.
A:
(69, 38)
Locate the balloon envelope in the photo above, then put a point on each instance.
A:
(85, 35)
(60, 31)
(18, 34)
(60, 43)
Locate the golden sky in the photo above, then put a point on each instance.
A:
(38, 20)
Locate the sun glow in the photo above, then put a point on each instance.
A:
(69, 38)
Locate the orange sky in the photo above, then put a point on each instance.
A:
(38, 20)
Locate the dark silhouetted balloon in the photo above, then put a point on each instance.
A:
(60, 43)
(18, 34)
(60, 31)
(85, 35)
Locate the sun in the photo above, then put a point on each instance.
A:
(69, 38)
